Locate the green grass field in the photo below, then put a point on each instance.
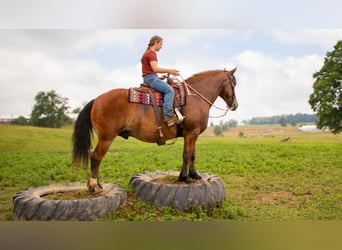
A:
(265, 179)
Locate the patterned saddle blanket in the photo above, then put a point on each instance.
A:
(142, 94)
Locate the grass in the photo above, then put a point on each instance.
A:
(265, 180)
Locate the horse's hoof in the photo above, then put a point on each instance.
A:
(95, 190)
(94, 186)
(185, 179)
(195, 176)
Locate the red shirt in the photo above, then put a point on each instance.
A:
(146, 60)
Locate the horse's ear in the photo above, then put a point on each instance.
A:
(233, 71)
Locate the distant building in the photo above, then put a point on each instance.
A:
(308, 128)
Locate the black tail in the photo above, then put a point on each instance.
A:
(82, 136)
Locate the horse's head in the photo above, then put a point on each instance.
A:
(228, 90)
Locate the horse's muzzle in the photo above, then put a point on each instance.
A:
(234, 105)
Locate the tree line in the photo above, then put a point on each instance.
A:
(283, 119)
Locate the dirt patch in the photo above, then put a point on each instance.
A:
(276, 198)
(171, 179)
(71, 195)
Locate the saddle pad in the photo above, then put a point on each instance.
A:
(142, 97)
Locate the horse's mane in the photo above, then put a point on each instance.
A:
(204, 74)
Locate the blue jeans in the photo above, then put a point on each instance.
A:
(154, 82)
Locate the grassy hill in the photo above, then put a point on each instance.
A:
(265, 179)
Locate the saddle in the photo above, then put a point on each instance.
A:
(148, 96)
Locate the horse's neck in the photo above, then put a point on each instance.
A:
(207, 86)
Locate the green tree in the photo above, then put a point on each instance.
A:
(282, 121)
(50, 110)
(293, 122)
(76, 110)
(217, 130)
(326, 100)
(232, 123)
(21, 120)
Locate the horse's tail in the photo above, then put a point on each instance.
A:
(82, 136)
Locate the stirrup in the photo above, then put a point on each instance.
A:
(179, 116)
(171, 120)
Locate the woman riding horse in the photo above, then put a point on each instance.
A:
(110, 115)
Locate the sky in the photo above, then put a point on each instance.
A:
(80, 59)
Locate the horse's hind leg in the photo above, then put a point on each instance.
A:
(95, 159)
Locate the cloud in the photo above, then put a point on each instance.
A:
(42, 60)
(24, 74)
(325, 38)
(66, 42)
(269, 86)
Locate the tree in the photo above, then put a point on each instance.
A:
(50, 110)
(293, 122)
(217, 130)
(21, 120)
(232, 123)
(282, 121)
(326, 100)
(76, 110)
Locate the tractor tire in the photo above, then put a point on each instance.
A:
(31, 204)
(206, 193)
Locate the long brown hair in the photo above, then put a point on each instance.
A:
(153, 41)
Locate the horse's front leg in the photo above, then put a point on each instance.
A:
(189, 161)
(184, 176)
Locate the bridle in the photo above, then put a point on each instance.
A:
(189, 87)
(231, 78)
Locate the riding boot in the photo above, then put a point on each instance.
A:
(172, 120)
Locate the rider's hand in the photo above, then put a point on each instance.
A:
(174, 72)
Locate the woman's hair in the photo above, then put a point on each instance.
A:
(153, 41)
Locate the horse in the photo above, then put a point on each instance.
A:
(111, 115)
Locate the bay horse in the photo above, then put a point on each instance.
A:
(111, 115)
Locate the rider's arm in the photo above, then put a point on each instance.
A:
(157, 69)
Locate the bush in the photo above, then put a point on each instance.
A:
(21, 120)
(217, 130)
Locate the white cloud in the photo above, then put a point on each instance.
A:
(36, 60)
(24, 74)
(65, 42)
(267, 86)
(325, 38)
(107, 37)
(32, 61)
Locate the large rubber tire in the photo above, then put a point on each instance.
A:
(31, 205)
(207, 193)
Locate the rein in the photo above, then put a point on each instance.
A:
(204, 98)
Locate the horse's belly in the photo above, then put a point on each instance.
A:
(151, 134)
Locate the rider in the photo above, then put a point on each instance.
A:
(150, 69)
